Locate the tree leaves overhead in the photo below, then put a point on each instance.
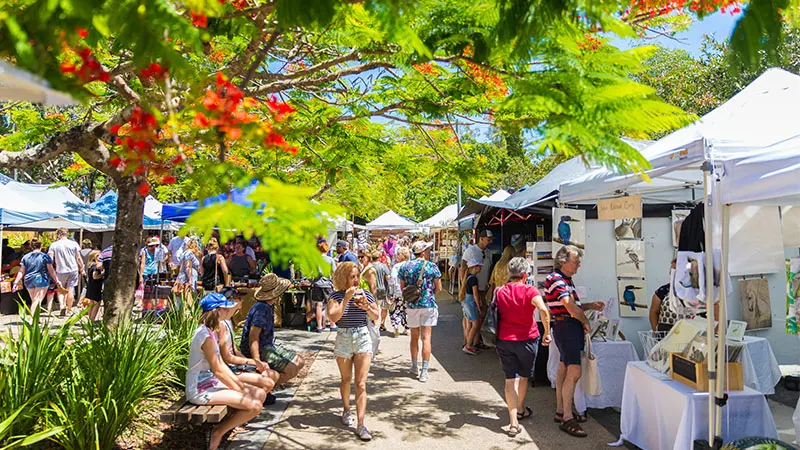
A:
(759, 33)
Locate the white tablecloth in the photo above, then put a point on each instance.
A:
(660, 414)
(612, 357)
(759, 367)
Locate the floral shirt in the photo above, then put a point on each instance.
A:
(409, 273)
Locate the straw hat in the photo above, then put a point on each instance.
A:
(271, 286)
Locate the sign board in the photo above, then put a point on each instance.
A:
(620, 208)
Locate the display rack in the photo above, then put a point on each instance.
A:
(540, 256)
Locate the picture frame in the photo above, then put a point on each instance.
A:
(613, 331)
(736, 329)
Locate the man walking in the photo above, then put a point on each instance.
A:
(66, 255)
(422, 312)
(568, 332)
(343, 252)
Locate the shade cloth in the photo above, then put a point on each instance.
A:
(181, 211)
(612, 358)
(667, 414)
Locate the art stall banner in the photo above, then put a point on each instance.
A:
(756, 245)
(630, 259)
(633, 298)
(754, 298)
(793, 296)
(569, 228)
(678, 216)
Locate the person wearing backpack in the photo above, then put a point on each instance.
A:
(420, 281)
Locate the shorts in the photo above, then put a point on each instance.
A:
(517, 357)
(470, 307)
(278, 357)
(68, 280)
(422, 317)
(37, 281)
(568, 335)
(386, 304)
(207, 384)
(351, 342)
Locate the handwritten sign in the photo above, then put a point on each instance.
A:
(620, 208)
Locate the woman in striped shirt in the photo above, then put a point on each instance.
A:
(350, 307)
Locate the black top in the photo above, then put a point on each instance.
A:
(94, 288)
(472, 281)
(239, 267)
(212, 276)
(662, 291)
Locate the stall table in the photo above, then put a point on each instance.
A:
(612, 357)
(661, 413)
(759, 367)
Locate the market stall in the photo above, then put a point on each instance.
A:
(391, 223)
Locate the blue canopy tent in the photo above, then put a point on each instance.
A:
(181, 211)
(107, 204)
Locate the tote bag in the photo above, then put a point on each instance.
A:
(590, 376)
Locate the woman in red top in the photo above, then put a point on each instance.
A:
(518, 337)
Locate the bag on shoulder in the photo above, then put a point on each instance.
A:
(490, 325)
(413, 292)
(321, 289)
(590, 375)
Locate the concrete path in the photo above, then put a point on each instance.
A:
(460, 407)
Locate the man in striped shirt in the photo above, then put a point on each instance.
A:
(568, 332)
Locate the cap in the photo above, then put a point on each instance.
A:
(215, 300)
(420, 246)
(342, 243)
(474, 262)
(153, 241)
(391, 236)
(321, 239)
(485, 233)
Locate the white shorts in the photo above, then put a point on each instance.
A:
(422, 317)
(68, 280)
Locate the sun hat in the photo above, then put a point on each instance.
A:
(215, 300)
(271, 286)
(153, 241)
(474, 262)
(420, 246)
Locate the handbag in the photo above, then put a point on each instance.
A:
(413, 292)
(490, 325)
(590, 376)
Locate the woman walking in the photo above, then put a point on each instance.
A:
(351, 307)
(518, 337)
(36, 271)
(214, 267)
(189, 268)
(398, 314)
(94, 284)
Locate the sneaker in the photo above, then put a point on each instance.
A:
(414, 371)
(469, 350)
(423, 376)
(347, 418)
(396, 332)
(320, 330)
(363, 433)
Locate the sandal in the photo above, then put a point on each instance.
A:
(558, 418)
(580, 418)
(514, 430)
(525, 414)
(572, 428)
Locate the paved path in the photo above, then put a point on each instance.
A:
(460, 407)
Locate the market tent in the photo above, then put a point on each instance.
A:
(181, 211)
(766, 177)
(21, 202)
(446, 218)
(497, 196)
(19, 85)
(107, 205)
(55, 223)
(761, 115)
(390, 220)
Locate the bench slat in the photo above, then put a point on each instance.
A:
(182, 416)
(199, 415)
(216, 414)
(168, 415)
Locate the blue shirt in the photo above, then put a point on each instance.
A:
(410, 273)
(261, 315)
(36, 266)
(348, 256)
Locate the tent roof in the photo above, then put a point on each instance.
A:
(107, 204)
(19, 85)
(767, 177)
(182, 211)
(54, 223)
(390, 220)
(498, 196)
(761, 115)
(445, 218)
(23, 202)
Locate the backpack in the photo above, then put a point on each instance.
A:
(413, 292)
(321, 289)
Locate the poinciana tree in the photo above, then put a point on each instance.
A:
(314, 99)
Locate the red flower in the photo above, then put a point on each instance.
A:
(115, 161)
(67, 68)
(276, 140)
(168, 179)
(114, 129)
(201, 120)
(199, 20)
(144, 189)
(83, 33)
(278, 108)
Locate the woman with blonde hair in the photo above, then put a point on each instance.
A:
(214, 269)
(209, 381)
(351, 306)
(500, 273)
(189, 269)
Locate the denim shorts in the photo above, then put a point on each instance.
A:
(37, 281)
(470, 307)
(352, 341)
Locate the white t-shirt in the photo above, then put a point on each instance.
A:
(63, 252)
(199, 369)
(175, 248)
(475, 252)
(250, 252)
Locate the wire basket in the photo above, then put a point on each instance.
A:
(650, 338)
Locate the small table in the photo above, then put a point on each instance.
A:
(612, 357)
(661, 413)
(759, 367)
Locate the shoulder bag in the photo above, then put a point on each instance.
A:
(413, 292)
(590, 376)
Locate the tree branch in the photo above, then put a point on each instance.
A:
(39, 154)
(260, 57)
(279, 86)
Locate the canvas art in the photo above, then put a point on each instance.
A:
(628, 228)
(793, 296)
(630, 259)
(569, 228)
(754, 297)
(736, 330)
(634, 300)
(678, 216)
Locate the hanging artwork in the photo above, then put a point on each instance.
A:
(678, 216)
(754, 297)
(569, 228)
(628, 228)
(630, 259)
(634, 300)
(793, 296)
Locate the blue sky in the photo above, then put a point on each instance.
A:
(719, 25)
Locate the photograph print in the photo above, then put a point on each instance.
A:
(630, 259)
(634, 300)
(628, 228)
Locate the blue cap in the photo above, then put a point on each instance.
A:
(215, 300)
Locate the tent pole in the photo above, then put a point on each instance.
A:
(1, 240)
(709, 300)
(723, 316)
(80, 275)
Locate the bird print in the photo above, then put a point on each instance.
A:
(564, 229)
(633, 257)
(629, 297)
(693, 274)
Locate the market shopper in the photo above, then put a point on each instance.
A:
(66, 255)
(189, 270)
(423, 313)
(470, 309)
(209, 381)
(94, 283)
(36, 272)
(174, 251)
(369, 278)
(382, 274)
(390, 247)
(662, 314)
(398, 313)
(214, 267)
(351, 307)
(150, 259)
(322, 286)
(241, 264)
(478, 252)
(343, 252)
(518, 337)
(568, 332)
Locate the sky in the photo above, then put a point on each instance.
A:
(719, 25)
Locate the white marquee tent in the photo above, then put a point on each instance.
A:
(390, 220)
(19, 85)
(446, 218)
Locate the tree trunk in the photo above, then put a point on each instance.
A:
(121, 284)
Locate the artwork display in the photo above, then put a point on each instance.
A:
(628, 228)
(613, 330)
(634, 300)
(793, 296)
(569, 228)
(678, 216)
(676, 341)
(630, 259)
(754, 298)
(736, 330)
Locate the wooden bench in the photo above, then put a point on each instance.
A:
(184, 412)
